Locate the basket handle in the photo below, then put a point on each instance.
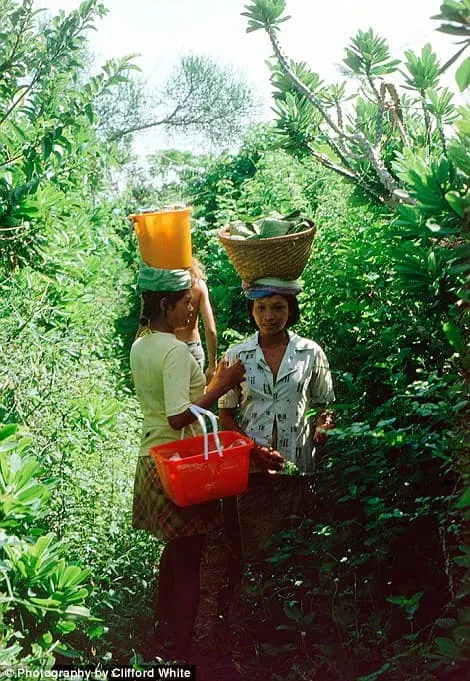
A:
(199, 413)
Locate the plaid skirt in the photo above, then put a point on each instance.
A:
(153, 511)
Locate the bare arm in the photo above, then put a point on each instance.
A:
(324, 422)
(210, 331)
(228, 420)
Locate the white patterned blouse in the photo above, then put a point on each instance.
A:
(303, 381)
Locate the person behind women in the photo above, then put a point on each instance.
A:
(190, 333)
(286, 376)
(167, 381)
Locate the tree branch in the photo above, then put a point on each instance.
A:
(396, 109)
(41, 68)
(11, 160)
(348, 174)
(9, 61)
(385, 178)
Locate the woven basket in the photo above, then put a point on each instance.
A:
(279, 256)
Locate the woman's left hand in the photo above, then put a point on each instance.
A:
(324, 422)
(210, 371)
(267, 458)
(227, 376)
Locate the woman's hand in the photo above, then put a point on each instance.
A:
(227, 377)
(324, 422)
(267, 458)
(210, 371)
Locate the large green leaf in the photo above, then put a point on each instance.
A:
(462, 75)
(7, 431)
(455, 337)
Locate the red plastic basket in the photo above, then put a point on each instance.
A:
(193, 479)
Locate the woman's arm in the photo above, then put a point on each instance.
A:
(321, 393)
(228, 420)
(210, 330)
(323, 423)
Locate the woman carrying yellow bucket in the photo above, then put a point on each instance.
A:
(167, 381)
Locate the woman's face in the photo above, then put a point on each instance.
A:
(179, 315)
(270, 314)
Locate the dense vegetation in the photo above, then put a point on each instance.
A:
(376, 586)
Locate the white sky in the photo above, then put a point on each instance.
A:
(317, 33)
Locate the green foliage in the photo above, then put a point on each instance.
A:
(462, 75)
(423, 71)
(381, 293)
(68, 317)
(23, 497)
(362, 141)
(456, 17)
(265, 14)
(65, 335)
(41, 595)
(369, 55)
(46, 115)
(410, 605)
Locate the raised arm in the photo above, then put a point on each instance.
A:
(228, 420)
(210, 331)
(321, 395)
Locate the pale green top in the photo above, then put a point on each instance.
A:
(167, 380)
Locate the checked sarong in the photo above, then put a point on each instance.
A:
(153, 511)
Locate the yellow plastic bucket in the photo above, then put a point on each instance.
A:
(164, 238)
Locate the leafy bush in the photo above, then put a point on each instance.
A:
(41, 595)
(379, 575)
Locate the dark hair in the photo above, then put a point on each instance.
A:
(294, 312)
(151, 300)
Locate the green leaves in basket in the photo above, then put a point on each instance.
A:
(241, 230)
(270, 226)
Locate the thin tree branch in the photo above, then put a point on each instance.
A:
(427, 118)
(348, 174)
(11, 160)
(9, 61)
(42, 67)
(454, 57)
(168, 120)
(373, 88)
(386, 179)
(396, 109)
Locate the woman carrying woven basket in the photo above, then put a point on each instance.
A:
(286, 376)
(167, 380)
